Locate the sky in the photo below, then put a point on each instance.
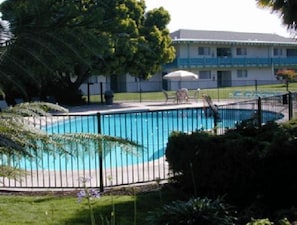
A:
(220, 15)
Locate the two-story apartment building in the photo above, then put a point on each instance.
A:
(220, 58)
(224, 58)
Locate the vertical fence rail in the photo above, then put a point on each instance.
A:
(111, 165)
(100, 154)
(259, 114)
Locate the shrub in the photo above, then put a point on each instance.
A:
(195, 211)
(260, 222)
(246, 163)
(208, 165)
(283, 221)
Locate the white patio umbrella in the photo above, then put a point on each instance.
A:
(181, 75)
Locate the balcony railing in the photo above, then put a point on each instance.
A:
(232, 62)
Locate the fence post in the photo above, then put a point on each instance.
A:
(100, 152)
(259, 112)
(101, 92)
(290, 105)
(88, 91)
(215, 120)
(140, 89)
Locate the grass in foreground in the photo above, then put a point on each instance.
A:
(53, 209)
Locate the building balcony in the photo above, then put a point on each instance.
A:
(232, 62)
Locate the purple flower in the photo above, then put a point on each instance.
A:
(87, 193)
(80, 195)
(94, 193)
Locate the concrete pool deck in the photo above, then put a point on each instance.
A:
(144, 105)
(159, 105)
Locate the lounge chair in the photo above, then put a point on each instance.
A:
(167, 97)
(248, 94)
(236, 94)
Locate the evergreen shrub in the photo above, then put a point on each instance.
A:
(246, 163)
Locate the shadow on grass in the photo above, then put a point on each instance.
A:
(122, 209)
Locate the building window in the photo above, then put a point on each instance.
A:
(204, 74)
(224, 52)
(242, 74)
(291, 52)
(241, 51)
(203, 51)
(277, 52)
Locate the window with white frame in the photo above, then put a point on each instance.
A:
(241, 51)
(277, 52)
(203, 51)
(242, 74)
(205, 74)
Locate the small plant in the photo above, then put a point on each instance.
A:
(285, 221)
(260, 222)
(158, 181)
(195, 211)
(112, 213)
(88, 194)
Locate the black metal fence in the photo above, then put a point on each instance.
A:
(115, 165)
(218, 90)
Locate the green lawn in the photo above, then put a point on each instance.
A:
(220, 93)
(53, 209)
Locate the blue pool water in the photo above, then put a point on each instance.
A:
(150, 129)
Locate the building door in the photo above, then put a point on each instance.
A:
(224, 78)
(164, 82)
(114, 83)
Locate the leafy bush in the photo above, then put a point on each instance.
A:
(288, 214)
(266, 221)
(260, 222)
(195, 211)
(246, 163)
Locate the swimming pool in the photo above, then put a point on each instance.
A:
(150, 129)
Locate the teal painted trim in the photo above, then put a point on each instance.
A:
(232, 62)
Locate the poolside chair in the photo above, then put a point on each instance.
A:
(248, 94)
(236, 94)
(195, 95)
(182, 95)
(167, 97)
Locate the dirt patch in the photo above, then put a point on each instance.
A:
(121, 190)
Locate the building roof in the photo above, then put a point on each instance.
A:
(229, 36)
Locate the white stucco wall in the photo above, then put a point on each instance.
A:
(94, 85)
